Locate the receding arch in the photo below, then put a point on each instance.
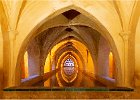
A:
(63, 55)
(60, 51)
(104, 32)
(81, 39)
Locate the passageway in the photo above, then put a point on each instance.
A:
(69, 45)
(87, 82)
(73, 55)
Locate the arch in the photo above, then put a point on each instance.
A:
(104, 32)
(73, 75)
(57, 40)
(62, 56)
(62, 43)
(60, 51)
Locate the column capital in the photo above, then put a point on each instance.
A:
(12, 34)
(125, 35)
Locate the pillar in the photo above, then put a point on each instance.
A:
(12, 81)
(1, 59)
(126, 70)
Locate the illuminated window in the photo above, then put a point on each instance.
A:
(111, 65)
(69, 63)
(24, 66)
(69, 66)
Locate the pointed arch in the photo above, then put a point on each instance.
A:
(100, 28)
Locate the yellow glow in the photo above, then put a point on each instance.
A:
(47, 68)
(90, 64)
(78, 64)
(74, 76)
(47, 64)
(26, 64)
(0, 29)
(111, 65)
(59, 82)
(80, 47)
(47, 83)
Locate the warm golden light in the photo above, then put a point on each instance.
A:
(87, 58)
(71, 78)
(90, 64)
(47, 83)
(26, 64)
(47, 64)
(47, 68)
(111, 65)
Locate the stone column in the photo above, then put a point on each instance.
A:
(125, 68)
(12, 66)
(1, 59)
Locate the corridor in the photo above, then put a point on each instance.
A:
(87, 82)
(68, 46)
(80, 55)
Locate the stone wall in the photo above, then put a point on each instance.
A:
(103, 57)
(34, 58)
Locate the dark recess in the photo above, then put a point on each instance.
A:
(70, 14)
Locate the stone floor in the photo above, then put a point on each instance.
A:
(87, 81)
(70, 95)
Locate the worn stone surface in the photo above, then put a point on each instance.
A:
(70, 95)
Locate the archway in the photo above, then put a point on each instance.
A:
(101, 29)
